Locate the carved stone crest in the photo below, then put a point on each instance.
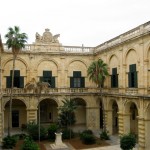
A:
(47, 37)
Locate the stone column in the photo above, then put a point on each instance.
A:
(127, 122)
(120, 123)
(109, 121)
(141, 134)
(32, 115)
(147, 135)
(92, 118)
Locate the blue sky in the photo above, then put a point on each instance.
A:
(88, 22)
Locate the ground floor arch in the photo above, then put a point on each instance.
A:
(48, 111)
(18, 115)
(80, 112)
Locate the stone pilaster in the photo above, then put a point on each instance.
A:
(120, 123)
(141, 133)
(108, 120)
(31, 115)
(92, 118)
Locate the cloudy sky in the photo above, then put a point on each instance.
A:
(88, 22)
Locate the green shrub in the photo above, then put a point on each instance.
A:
(67, 134)
(33, 131)
(127, 142)
(9, 142)
(88, 138)
(86, 132)
(52, 129)
(104, 135)
(29, 144)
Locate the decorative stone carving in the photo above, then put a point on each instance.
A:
(47, 37)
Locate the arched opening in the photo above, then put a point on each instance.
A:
(48, 111)
(101, 115)
(18, 115)
(80, 114)
(133, 119)
(115, 117)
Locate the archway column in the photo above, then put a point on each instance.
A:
(146, 133)
(108, 121)
(127, 122)
(121, 123)
(141, 134)
(32, 115)
(1, 127)
(92, 118)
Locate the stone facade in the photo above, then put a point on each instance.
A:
(123, 106)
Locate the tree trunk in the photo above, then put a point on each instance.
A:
(11, 95)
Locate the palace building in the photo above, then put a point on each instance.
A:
(124, 104)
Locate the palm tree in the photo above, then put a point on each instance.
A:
(66, 115)
(97, 72)
(16, 41)
(37, 88)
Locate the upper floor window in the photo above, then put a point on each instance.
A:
(47, 77)
(18, 80)
(77, 81)
(114, 78)
(132, 76)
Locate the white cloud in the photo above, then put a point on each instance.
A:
(88, 22)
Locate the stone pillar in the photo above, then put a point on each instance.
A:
(109, 121)
(147, 135)
(127, 122)
(32, 115)
(120, 123)
(141, 134)
(92, 118)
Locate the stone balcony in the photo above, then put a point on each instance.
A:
(80, 91)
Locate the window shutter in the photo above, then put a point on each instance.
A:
(8, 82)
(114, 71)
(132, 68)
(82, 82)
(112, 81)
(116, 80)
(47, 73)
(71, 82)
(17, 73)
(129, 79)
(135, 80)
(77, 74)
(21, 82)
(41, 79)
(53, 82)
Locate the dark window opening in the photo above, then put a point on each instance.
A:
(18, 80)
(77, 81)
(132, 76)
(114, 78)
(47, 77)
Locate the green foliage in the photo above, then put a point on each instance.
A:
(67, 134)
(67, 118)
(29, 144)
(104, 135)
(9, 142)
(33, 131)
(87, 137)
(52, 129)
(127, 142)
(97, 72)
(66, 115)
